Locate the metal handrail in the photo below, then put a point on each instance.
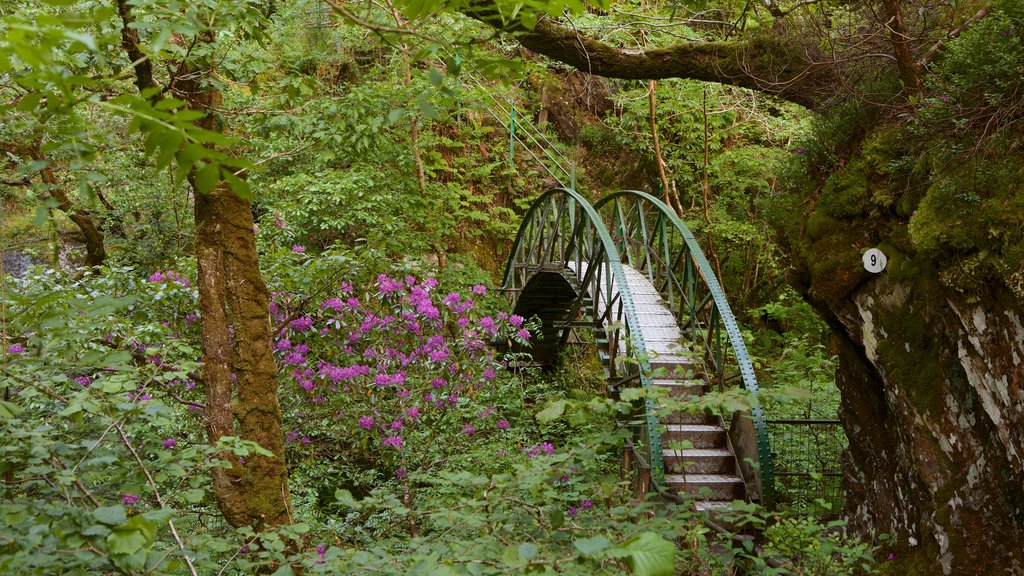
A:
(688, 283)
(562, 227)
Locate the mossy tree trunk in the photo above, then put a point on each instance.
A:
(239, 371)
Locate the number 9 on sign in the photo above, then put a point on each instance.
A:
(874, 260)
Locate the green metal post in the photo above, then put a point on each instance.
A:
(512, 135)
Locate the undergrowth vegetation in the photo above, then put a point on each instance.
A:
(410, 448)
(386, 190)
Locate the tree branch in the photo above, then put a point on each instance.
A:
(924, 60)
(140, 61)
(24, 181)
(770, 64)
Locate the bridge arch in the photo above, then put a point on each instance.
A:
(575, 265)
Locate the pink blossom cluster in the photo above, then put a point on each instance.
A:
(169, 276)
(395, 366)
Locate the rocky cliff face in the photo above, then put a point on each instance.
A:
(933, 405)
(931, 354)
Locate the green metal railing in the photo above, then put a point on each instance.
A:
(807, 470)
(523, 134)
(654, 240)
(563, 233)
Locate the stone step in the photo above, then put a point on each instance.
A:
(699, 461)
(700, 435)
(721, 487)
(713, 505)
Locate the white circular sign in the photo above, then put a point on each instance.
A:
(874, 260)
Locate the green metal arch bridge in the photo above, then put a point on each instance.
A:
(629, 271)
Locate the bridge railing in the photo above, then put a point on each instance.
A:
(808, 473)
(563, 234)
(652, 239)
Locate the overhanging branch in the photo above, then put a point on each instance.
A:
(773, 65)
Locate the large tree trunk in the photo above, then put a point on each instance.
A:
(238, 366)
(239, 371)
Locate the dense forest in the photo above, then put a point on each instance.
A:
(343, 287)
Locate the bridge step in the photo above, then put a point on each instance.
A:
(699, 461)
(705, 464)
(699, 435)
(684, 388)
(687, 418)
(676, 366)
(708, 487)
(713, 505)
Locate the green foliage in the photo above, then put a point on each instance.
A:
(487, 503)
(86, 436)
(509, 14)
(828, 553)
(939, 188)
(795, 363)
(331, 129)
(61, 59)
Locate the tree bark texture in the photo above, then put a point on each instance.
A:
(131, 45)
(239, 370)
(769, 63)
(238, 364)
(909, 71)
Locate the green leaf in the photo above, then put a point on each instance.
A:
(238, 185)
(134, 535)
(29, 102)
(169, 104)
(428, 110)
(111, 515)
(528, 551)
(71, 410)
(8, 410)
(86, 39)
(42, 215)
(187, 115)
(648, 554)
(344, 498)
(552, 411)
(193, 496)
(591, 546)
(207, 178)
(556, 517)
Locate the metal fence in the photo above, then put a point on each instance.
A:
(808, 475)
